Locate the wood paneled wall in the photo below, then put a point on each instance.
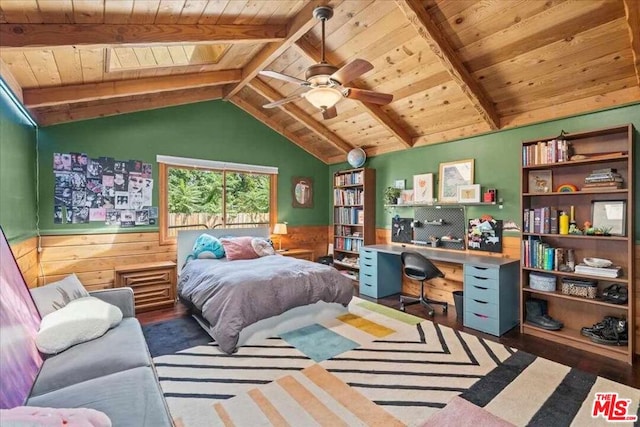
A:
(314, 237)
(26, 253)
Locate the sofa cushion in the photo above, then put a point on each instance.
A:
(81, 320)
(56, 295)
(129, 398)
(121, 348)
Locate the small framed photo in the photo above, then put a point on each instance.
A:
(540, 181)
(469, 193)
(406, 197)
(423, 188)
(399, 183)
(609, 216)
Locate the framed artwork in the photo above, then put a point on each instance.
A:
(423, 188)
(453, 174)
(399, 183)
(406, 197)
(540, 181)
(302, 192)
(609, 216)
(469, 193)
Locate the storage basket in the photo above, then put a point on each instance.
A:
(542, 282)
(585, 289)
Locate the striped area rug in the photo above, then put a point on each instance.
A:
(372, 366)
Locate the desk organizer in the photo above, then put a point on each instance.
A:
(440, 221)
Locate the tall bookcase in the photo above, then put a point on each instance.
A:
(354, 216)
(599, 155)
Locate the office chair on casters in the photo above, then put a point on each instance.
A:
(417, 267)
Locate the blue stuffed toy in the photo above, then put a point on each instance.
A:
(206, 247)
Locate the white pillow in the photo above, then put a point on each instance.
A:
(81, 320)
(263, 247)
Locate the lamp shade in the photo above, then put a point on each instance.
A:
(280, 228)
(323, 97)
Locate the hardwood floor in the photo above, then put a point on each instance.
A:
(585, 361)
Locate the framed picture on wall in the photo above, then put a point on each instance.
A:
(423, 188)
(302, 192)
(453, 174)
(469, 193)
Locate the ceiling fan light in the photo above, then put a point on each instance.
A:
(323, 97)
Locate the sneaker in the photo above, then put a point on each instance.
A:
(596, 328)
(614, 332)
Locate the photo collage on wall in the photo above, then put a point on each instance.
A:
(116, 192)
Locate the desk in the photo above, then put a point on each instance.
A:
(490, 283)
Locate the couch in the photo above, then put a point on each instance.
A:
(113, 374)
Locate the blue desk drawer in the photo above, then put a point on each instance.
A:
(478, 271)
(481, 282)
(481, 307)
(368, 264)
(480, 293)
(371, 275)
(368, 255)
(368, 287)
(481, 322)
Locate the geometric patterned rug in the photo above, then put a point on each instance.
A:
(375, 366)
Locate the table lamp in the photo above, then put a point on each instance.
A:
(281, 230)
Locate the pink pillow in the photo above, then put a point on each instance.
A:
(239, 248)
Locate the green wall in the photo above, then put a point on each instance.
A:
(213, 130)
(17, 173)
(497, 161)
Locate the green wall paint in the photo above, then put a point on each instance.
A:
(17, 173)
(497, 161)
(213, 130)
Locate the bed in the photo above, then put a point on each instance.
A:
(244, 300)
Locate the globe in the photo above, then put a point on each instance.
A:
(356, 157)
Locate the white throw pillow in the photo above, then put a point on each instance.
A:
(81, 320)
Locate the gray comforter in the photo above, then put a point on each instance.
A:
(234, 294)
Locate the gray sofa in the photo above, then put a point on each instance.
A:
(113, 374)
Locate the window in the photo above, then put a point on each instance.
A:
(198, 194)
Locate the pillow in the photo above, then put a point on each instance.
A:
(81, 320)
(54, 417)
(262, 247)
(206, 246)
(56, 295)
(239, 248)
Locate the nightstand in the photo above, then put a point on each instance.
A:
(298, 253)
(153, 284)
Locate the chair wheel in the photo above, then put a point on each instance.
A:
(431, 313)
(445, 309)
(402, 308)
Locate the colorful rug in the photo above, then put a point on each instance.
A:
(374, 366)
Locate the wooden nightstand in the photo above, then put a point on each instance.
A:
(298, 253)
(153, 284)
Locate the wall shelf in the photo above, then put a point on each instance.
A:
(499, 203)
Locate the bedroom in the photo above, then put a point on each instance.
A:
(296, 140)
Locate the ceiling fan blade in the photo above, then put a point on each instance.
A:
(330, 113)
(280, 76)
(370, 96)
(352, 70)
(275, 104)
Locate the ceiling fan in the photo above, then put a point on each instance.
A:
(324, 83)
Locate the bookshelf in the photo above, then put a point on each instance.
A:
(572, 173)
(354, 216)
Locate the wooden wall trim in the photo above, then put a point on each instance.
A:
(26, 254)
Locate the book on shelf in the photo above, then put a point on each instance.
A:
(611, 272)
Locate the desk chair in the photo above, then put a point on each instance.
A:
(417, 267)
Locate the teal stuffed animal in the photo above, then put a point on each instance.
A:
(206, 247)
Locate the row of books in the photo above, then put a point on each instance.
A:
(602, 180)
(539, 254)
(354, 196)
(348, 244)
(543, 220)
(348, 215)
(349, 178)
(544, 152)
(345, 230)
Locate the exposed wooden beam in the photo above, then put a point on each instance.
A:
(258, 114)
(11, 81)
(90, 92)
(632, 12)
(299, 114)
(296, 28)
(50, 35)
(46, 116)
(429, 31)
(375, 110)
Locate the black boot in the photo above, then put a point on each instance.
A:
(537, 315)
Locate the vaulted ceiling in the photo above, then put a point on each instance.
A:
(455, 68)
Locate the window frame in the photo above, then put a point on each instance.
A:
(163, 196)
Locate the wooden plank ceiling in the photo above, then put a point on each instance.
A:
(455, 68)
